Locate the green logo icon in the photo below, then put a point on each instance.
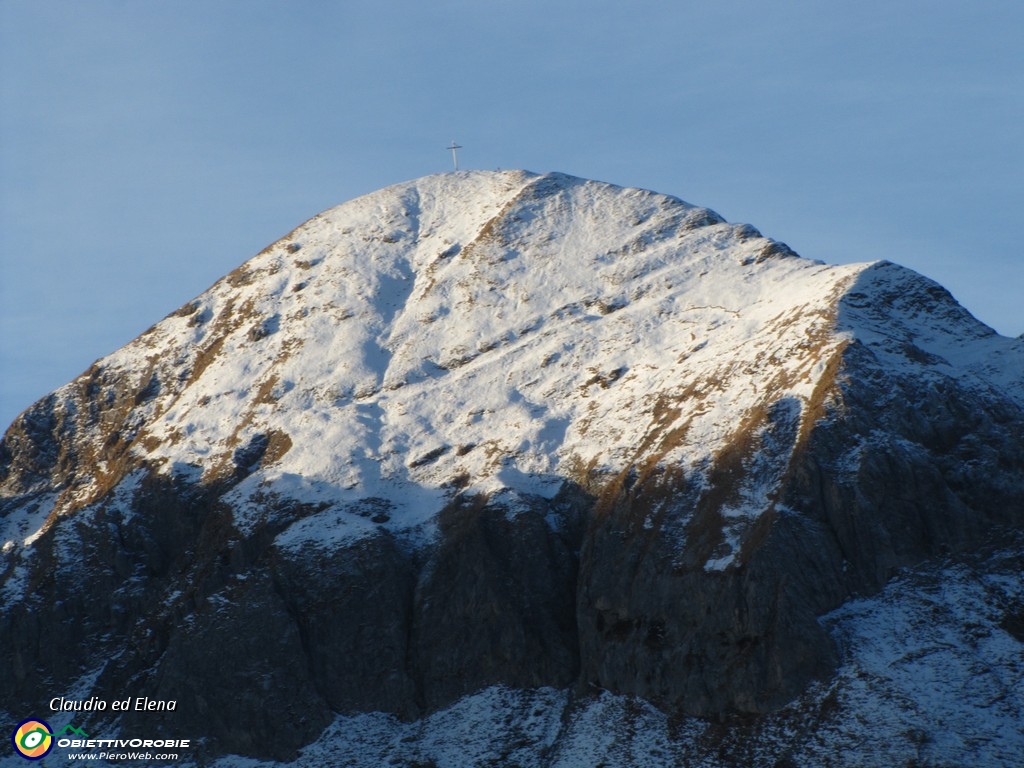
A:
(69, 728)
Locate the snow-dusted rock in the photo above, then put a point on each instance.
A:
(487, 429)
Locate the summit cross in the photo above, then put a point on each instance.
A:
(455, 155)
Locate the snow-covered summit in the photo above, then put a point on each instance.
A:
(495, 331)
(501, 429)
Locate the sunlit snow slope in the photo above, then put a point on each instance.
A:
(484, 331)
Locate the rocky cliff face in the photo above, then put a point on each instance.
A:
(496, 429)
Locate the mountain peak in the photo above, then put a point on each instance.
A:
(452, 332)
(567, 433)
(485, 331)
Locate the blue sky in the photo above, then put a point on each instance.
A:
(147, 148)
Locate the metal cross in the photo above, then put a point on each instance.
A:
(455, 155)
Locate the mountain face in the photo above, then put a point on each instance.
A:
(499, 429)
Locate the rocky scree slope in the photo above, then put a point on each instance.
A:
(496, 428)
